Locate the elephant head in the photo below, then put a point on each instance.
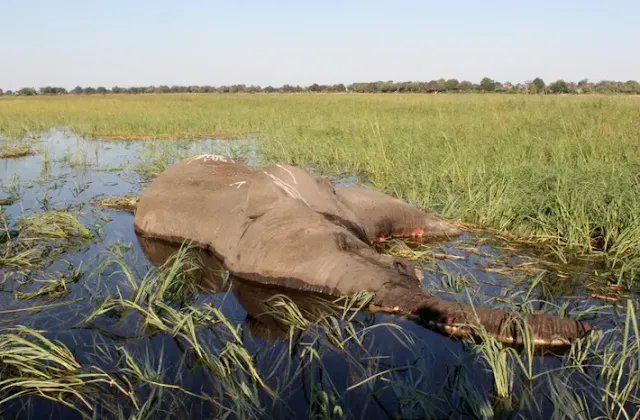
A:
(281, 226)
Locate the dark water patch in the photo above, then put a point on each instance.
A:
(367, 365)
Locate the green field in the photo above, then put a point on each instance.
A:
(562, 170)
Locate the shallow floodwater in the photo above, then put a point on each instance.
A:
(69, 173)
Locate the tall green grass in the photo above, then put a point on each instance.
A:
(562, 170)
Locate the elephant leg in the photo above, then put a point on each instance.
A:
(383, 217)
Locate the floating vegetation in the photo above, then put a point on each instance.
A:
(12, 189)
(33, 365)
(53, 225)
(41, 236)
(52, 288)
(15, 152)
(125, 203)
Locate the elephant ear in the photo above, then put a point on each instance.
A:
(314, 191)
(275, 184)
(264, 193)
(383, 216)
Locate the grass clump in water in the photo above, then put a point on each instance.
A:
(15, 152)
(33, 365)
(53, 225)
(40, 236)
(51, 288)
(125, 203)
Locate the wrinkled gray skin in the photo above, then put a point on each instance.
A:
(279, 225)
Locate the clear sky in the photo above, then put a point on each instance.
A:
(143, 42)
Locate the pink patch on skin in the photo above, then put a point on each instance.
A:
(406, 233)
(450, 320)
(414, 311)
(380, 238)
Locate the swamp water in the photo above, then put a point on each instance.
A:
(128, 340)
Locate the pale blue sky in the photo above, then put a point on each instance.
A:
(106, 43)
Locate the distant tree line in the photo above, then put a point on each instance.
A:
(535, 86)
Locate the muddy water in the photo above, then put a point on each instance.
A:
(68, 173)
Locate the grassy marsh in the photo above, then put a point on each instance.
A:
(90, 328)
(556, 170)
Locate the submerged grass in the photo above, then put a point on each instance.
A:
(599, 377)
(38, 238)
(33, 365)
(53, 225)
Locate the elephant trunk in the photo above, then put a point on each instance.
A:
(468, 322)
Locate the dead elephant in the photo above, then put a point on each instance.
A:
(279, 225)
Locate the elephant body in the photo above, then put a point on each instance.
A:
(281, 226)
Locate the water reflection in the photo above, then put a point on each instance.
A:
(262, 321)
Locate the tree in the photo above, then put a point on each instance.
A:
(27, 92)
(559, 86)
(238, 88)
(465, 86)
(537, 86)
(631, 86)
(452, 84)
(584, 86)
(434, 86)
(487, 84)
(440, 85)
(606, 86)
(1, 92)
